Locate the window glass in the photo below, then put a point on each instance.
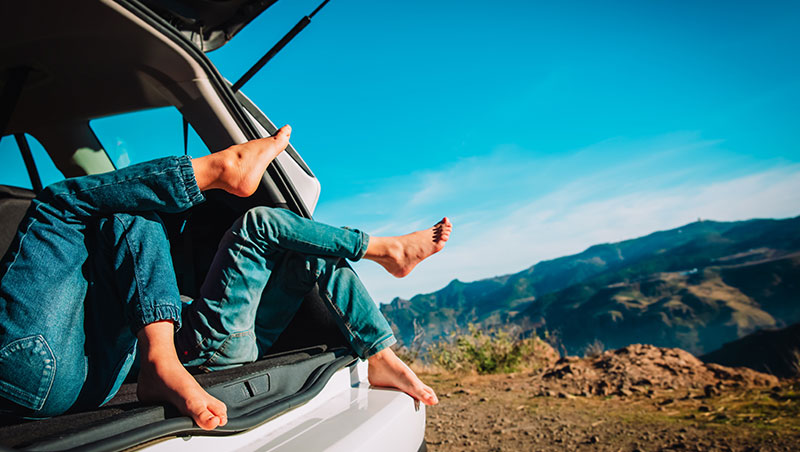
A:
(145, 135)
(13, 171)
(48, 173)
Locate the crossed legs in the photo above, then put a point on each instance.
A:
(60, 346)
(265, 265)
(238, 170)
(162, 377)
(74, 204)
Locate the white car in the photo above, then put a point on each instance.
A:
(87, 86)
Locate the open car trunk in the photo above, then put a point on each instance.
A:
(93, 58)
(297, 367)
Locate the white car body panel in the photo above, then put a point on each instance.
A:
(348, 415)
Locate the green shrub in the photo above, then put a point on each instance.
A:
(486, 352)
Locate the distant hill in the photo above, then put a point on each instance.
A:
(694, 287)
(770, 351)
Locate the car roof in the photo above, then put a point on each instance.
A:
(209, 24)
(88, 59)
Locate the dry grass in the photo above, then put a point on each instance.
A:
(505, 412)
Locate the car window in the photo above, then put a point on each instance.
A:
(145, 135)
(13, 171)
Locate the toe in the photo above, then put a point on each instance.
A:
(430, 397)
(220, 410)
(207, 420)
(284, 131)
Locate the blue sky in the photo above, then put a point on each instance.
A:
(539, 129)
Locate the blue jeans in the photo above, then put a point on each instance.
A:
(90, 266)
(266, 263)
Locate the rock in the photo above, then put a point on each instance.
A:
(626, 370)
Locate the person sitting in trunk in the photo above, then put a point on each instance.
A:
(88, 279)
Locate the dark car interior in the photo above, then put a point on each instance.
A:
(90, 59)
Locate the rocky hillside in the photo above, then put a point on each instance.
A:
(694, 287)
(641, 369)
(638, 397)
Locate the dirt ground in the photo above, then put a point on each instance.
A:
(512, 412)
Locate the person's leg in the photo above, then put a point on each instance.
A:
(42, 285)
(133, 264)
(367, 331)
(169, 184)
(162, 378)
(219, 324)
(258, 280)
(87, 335)
(399, 255)
(238, 170)
(42, 365)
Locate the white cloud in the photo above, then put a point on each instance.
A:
(512, 210)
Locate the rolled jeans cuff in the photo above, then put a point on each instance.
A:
(157, 313)
(195, 196)
(378, 346)
(363, 243)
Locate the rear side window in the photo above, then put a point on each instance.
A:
(13, 171)
(145, 135)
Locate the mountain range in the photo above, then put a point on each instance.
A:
(695, 287)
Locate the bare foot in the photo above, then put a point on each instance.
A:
(162, 378)
(386, 369)
(174, 385)
(399, 255)
(239, 168)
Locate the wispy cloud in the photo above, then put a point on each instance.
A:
(513, 209)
